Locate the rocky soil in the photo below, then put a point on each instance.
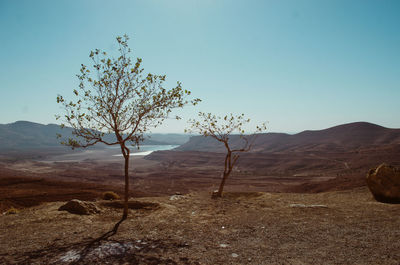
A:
(339, 227)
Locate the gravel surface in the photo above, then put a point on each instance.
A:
(346, 227)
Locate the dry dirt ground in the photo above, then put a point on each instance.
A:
(275, 223)
(339, 227)
(29, 179)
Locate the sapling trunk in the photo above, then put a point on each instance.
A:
(227, 172)
(125, 153)
(221, 185)
(126, 197)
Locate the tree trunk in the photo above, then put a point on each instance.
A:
(126, 197)
(227, 171)
(125, 151)
(221, 185)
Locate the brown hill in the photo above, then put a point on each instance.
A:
(25, 135)
(347, 137)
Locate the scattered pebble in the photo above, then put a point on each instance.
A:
(70, 256)
(299, 205)
(176, 197)
(234, 255)
(223, 245)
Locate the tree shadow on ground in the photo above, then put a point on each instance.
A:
(106, 250)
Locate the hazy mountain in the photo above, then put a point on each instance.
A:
(25, 134)
(345, 137)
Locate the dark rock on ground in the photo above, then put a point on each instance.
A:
(80, 207)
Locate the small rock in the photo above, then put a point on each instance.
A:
(70, 256)
(234, 255)
(223, 245)
(308, 206)
(80, 207)
(214, 194)
(176, 197)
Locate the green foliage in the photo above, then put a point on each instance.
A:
(110, 195)
(115, 96)
(221, 128)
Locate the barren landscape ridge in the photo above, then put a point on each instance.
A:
(313, 181)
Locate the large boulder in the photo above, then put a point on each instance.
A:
(384, 183)
(79, 207)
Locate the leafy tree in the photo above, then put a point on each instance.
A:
(221, 129)
(115, 97)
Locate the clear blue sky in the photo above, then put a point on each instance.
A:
(298, 64)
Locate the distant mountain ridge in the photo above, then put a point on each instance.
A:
(351, 136)
(24, 134)
(30, 135)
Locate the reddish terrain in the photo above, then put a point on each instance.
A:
(303, 205)
(27, 181)
(336, 158)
